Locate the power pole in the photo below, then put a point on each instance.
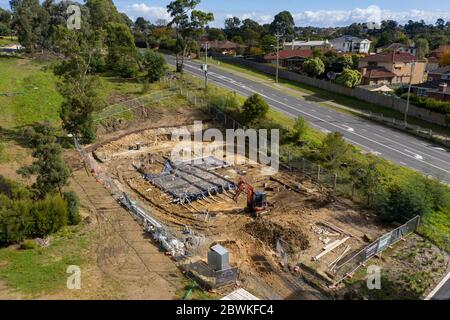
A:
(413, 64)
(278, 36)
(206, 65)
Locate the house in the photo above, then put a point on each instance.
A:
(399, 47)
(307, 45)
(223, 47)
(12, 48)
(435, 56)
(437, 86)
(351, 44)
(290, 59)
(391, 68)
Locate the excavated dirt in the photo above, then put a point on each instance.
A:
(270, 232)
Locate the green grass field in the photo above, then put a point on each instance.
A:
(27, 93)
(5, 41)
(34, 271)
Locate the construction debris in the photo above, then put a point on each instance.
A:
(330, 247)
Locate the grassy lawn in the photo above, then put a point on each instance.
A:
(4, 41)
(43, 270)
(325, 98)
(31, 90)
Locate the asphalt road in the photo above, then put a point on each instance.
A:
(394, 145)
(442, 291)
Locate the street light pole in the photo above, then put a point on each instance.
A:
(206, 65)
(413, 64)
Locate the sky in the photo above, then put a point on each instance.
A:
(320, 13)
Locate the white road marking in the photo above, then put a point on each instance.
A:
(435, 290)
(349, 129)
(416, 156)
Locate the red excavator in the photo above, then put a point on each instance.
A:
(256, 200)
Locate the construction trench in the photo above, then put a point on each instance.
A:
(288, 251)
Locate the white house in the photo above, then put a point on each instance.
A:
(307, 45)
(351, 44)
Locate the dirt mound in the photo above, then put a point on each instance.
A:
(269, 233)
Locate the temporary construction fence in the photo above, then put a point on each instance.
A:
(350, 265)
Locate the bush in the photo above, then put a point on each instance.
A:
(154, 65)
(300, 128)
(415, 196)
(22, 216)
(334, 149)
(28, 245)
(314, 67)
(349, 78)
(73, 215)
(429, 103)
(254, 109)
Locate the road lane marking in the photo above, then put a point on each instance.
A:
(417, 156)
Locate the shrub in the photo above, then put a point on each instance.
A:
(28, 245)
(300, 128)
(314, 67)
(401, 201)
(154, 65)
(334, 149)
(429, 103)
(73, 215)
(254, 109)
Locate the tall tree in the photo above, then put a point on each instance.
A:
(81, 51)
(232, 26)
(122, 57)
(187, 27)
(422, 48)
(52, 172)
(30, 22)
(283, 24)
(5, 22)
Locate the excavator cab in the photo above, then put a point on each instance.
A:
(259, 201)
(256, 200)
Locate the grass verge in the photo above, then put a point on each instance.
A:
(43, 270)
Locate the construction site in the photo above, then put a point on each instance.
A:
(279, 235)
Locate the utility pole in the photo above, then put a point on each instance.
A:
(278, 36)
(206, 65)
(413, 64)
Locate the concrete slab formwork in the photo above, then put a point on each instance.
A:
(188, 181)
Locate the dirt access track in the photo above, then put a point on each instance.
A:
(303, 217)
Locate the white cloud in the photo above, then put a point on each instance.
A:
(151, 13)
(331, 18)
(319, 18)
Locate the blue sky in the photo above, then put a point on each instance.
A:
(317, 13)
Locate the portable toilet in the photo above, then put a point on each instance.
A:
(218, 258)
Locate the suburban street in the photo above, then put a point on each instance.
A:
(372, 137)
